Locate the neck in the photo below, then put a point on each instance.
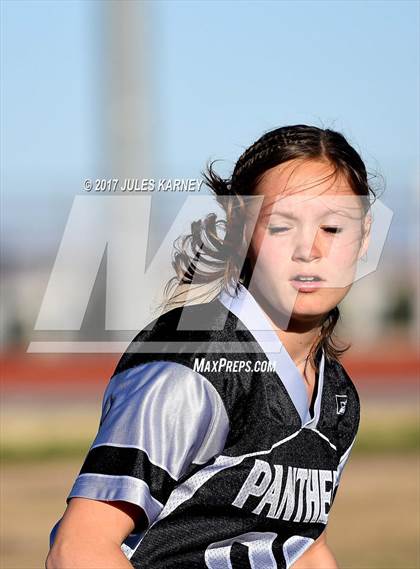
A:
(298, 344)
(297, 339)
(297, 336)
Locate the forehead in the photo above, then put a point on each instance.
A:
(303, 177)
(314, 184)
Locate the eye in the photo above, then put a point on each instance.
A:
(273, 230)
(333, 229)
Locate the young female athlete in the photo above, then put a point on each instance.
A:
(227, 423)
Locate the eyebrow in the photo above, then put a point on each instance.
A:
(280, 213)
(292, 216)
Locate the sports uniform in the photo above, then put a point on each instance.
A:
(206, 425)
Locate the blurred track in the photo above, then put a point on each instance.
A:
(384, 368)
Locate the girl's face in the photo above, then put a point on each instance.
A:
(307, 239)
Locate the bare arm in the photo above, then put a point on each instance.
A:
(90, 535)
(318, 556)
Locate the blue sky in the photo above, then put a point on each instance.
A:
(223, 72)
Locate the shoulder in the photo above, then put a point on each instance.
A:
(169, 400)
(166, 385)
(176, 334)
(157, 368)
(187, 320)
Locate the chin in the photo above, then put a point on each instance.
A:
(309, 308)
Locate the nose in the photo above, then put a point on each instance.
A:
(307, 246)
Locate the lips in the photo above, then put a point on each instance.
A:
(306, 278)
(306, 283)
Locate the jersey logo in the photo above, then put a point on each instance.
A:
(341, 404)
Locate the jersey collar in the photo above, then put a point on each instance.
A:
(252, 317)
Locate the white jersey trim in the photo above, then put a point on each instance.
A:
(249, 312)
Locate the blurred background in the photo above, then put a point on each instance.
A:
(104, 89)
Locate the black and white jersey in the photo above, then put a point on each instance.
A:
(206, 425)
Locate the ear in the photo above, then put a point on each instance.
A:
(364, 244)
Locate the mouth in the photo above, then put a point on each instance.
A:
(306, 283)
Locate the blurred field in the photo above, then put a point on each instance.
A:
(374, 523)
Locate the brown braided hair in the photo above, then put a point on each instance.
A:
(221, 254)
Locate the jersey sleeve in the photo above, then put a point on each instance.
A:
(158, 419)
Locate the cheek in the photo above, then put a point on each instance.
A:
(341, 265)
(344, 249)
(272, 259)
(339, 249)
(343, 257)
(268, 246)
